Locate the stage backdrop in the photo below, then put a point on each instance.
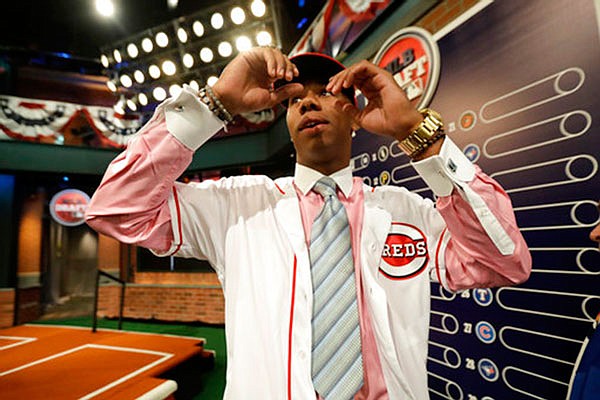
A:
(518, 90)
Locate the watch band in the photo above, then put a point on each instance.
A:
(429, 131)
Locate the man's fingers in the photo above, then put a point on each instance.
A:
(286, 91)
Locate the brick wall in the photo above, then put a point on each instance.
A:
(164, 302)
(30, 304)
(7, 307)
(443, 13)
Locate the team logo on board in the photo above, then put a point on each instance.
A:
(67, 207)
(483, 297)
(485, 332)
(404, 253)
(412, 56)
(488, 370)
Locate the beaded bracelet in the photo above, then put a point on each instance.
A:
(207, 96)
(222, 109)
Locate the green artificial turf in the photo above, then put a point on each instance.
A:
(211, 383)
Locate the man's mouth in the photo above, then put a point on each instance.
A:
(312, 123)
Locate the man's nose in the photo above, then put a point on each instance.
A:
(310, 102)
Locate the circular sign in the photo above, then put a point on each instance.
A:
(412, 56)
(67, 207)
(404, 252)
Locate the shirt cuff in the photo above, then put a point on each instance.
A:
(445, 170)
(190, 120)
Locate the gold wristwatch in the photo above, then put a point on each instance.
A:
(429, 131)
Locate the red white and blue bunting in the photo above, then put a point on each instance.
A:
(34, 119)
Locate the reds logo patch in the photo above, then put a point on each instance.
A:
(405, 252)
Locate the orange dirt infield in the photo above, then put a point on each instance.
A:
(49, 362)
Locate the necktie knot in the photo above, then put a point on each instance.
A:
(325, 187)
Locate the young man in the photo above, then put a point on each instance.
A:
(257, 233)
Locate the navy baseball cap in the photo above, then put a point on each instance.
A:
(316, 67)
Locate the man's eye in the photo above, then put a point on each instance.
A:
(326, 93)
(295, 100)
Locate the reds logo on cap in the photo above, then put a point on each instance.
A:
(404, 253)
(67, 207)
(412, 56)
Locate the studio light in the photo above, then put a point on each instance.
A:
(198, 28)
(126, 81)
(182, 35)
(188, 60)
(225, 49)
(216, 20)
(212, 80)
(147, 45)
(132, 50)
(106, 8)
(174, 90)
(117, 56)
(139, 76)
(159, 93)
(143, 99)
(112, 86)
(194, 85)
(206, 55)
(169, 67)
(238, 16)
(104, 60)
(263, 38)
(154, 71)
(131, 104)
(258, 8)
(243, 43)
(162, 40)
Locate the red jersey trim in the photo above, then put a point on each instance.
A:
(179, 229)
(289, 366)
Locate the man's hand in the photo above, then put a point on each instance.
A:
(388, 112)
(246, 83)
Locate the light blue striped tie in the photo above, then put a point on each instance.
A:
(337, 368)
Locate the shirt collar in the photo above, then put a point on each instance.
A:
(305, 178)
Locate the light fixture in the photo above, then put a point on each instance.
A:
(131, 104)
(159, 93)
(225, 49)
(162, 40)
(132, 50)
(188, 60)
(263, 38)
(154, 71)
(182, 35)
(117, 56)
(198, 28)
(174, 90)
(169, 68)
(238, 16)
(106, 8)
(243, 43)
(143, 99)
(139, 76)
(194, 85)
(126, 81)
(216, 20)
(206, 55)
(147, 45)
(212, 80)
(112, 86)
(258, 8)
(104, 60)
